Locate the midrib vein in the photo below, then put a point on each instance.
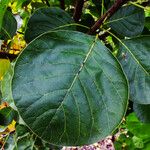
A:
(81, 67)
(77, 74)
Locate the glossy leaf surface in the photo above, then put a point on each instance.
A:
(135, 59)
(69, 89)
(128, 21)
(45, 19)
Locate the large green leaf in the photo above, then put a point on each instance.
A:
(135, 58)
(9, 26)
(69, 89)
(45, 19)
(142, 112)
(128, 21)
(3, 7)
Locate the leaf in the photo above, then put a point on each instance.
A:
(45, 19)
(138, 142)
(3, 7)
(9, 26)
(128, 21)
(134, 56)
(7, 115)
(142, 112)
(21, 131)
(6, 86)
(137, 128)
(69, 89)
(4, 66)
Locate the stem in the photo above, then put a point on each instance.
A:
(78, 10)
(108, 14)
(102, 11)
(62, 4)
(6, 55)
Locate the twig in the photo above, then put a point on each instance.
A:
(78, 10)
(108, 14)
(62, 4)
(6, 55)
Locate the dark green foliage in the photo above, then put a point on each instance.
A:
(128, 21)
(134, 56)
(45, 19)
(9, 26)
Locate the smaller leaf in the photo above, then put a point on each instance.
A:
(137, 128)
(128, 21)
(45, 19)
(142, 112)
(9, 26)
(3, 6)
(4, 65)
(138, 142)
(6, 86)
(134, 56)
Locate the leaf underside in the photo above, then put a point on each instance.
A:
(69, 89)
